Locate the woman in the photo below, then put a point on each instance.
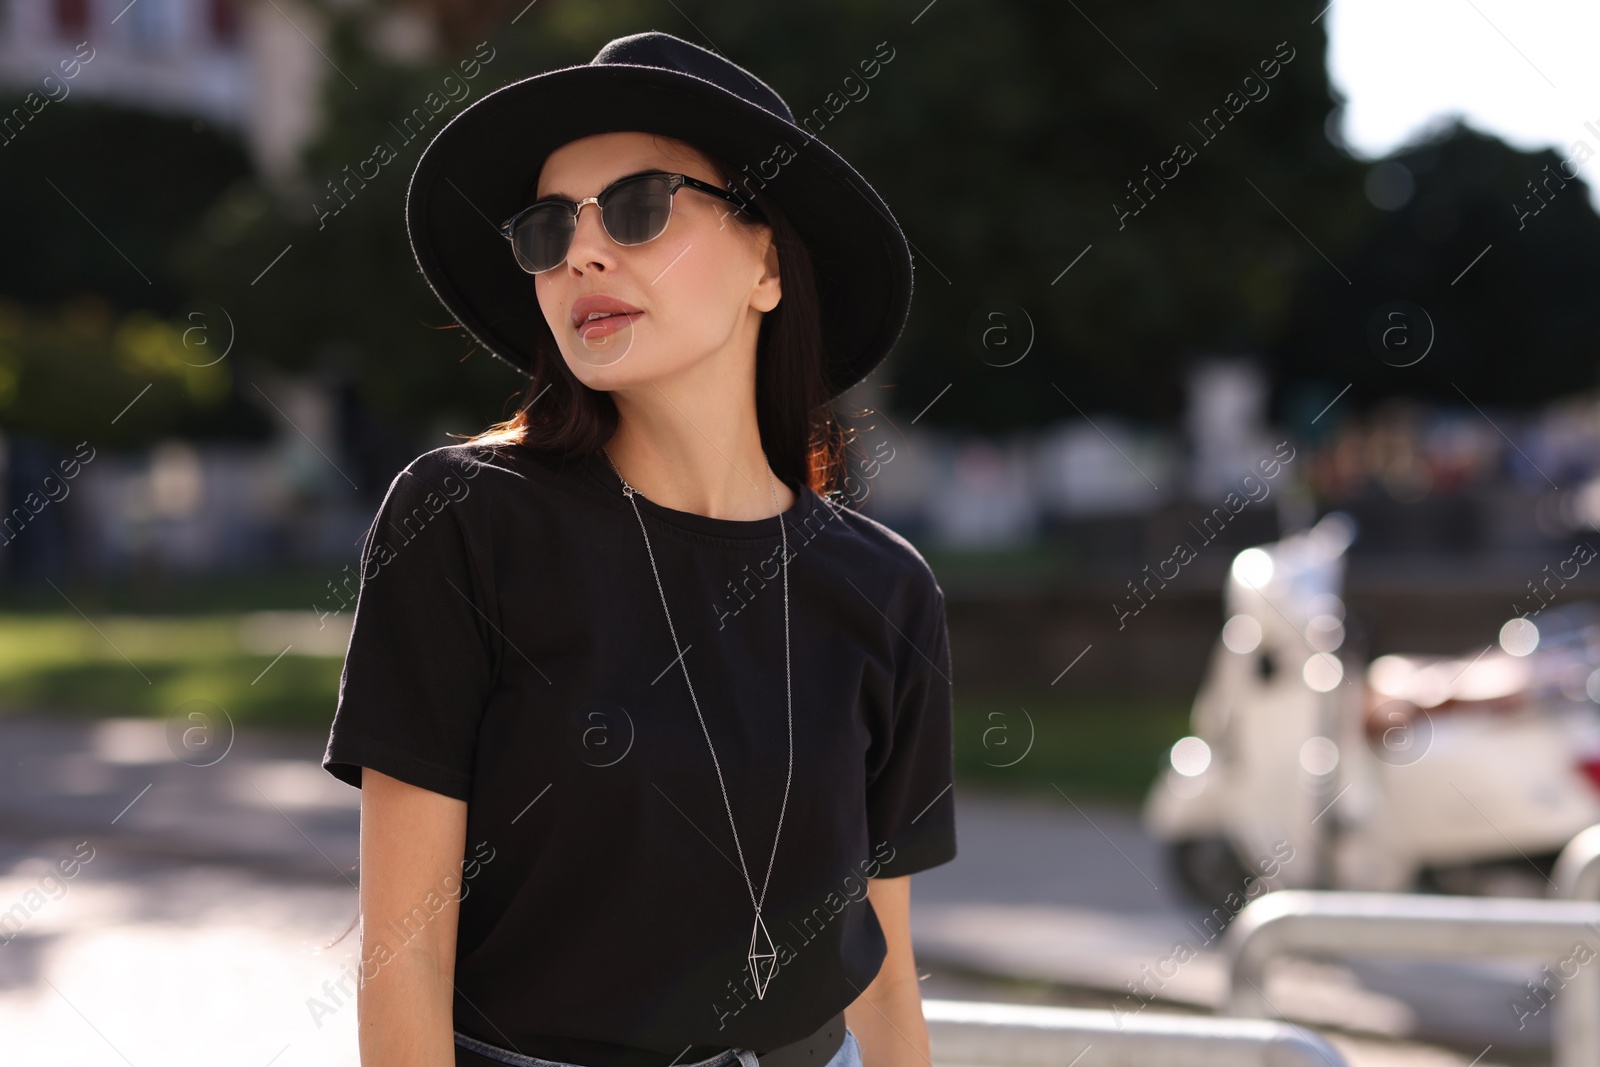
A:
(650, 733)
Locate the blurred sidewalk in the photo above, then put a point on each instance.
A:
(263, 802)
(153, 912)
(215, 896)
(1075, 894)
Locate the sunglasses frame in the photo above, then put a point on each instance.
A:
(674, 183)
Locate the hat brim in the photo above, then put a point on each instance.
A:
(477, 170)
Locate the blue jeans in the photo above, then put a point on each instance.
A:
(849, 1055)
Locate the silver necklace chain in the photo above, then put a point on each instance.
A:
(764, 972)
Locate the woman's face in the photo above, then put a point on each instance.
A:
(701, 286)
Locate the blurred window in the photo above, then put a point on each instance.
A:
(157, 24)
(72, 17)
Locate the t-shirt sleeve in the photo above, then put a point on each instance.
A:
(911, 797)
(423, 648)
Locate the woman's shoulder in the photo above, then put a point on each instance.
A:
(465, 467)
(877, 550)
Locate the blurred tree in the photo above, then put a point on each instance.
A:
(1015, 139)
(1009, 138)
(81, 370)
(97, 196)
(314, 290)
(1513, 328)
(96, 320)
(1175, 159)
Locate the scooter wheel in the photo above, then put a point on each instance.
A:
(1209, 870)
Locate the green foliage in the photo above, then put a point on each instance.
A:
(1000, 137)
(1008, 139)
(93, 312)
(320, 274)
(96, 195)
(83, 371)
(1499, 249)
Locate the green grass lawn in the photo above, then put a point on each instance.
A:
(1108, 747)
(134, 652)
(149, 665)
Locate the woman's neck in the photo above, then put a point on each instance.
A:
(720, 479)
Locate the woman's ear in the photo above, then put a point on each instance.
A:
(769, 286)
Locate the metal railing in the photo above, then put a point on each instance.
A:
(1028, 1035)
(1330, 922)
(1577, 869)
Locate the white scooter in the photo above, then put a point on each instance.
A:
(1310, 768)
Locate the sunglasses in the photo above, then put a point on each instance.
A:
(633, 210)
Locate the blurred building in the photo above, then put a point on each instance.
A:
(253, 66)
(182, 508)
(1431, 488)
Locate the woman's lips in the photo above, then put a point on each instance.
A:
(606, 326)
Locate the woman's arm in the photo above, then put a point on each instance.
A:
(412, 845)
(887, 1017)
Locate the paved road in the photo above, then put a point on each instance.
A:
(202, 921)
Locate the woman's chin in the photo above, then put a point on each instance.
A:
(597, 354)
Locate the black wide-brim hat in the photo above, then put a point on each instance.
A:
(483, 165)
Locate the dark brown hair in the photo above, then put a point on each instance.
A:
(799, 429)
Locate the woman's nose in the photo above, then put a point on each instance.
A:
(591, 246)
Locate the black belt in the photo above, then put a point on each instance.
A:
(814, 1050)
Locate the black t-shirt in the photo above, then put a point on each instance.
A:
(509, 649)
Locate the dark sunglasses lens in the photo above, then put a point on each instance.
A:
(542, 237)
(637, 211)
